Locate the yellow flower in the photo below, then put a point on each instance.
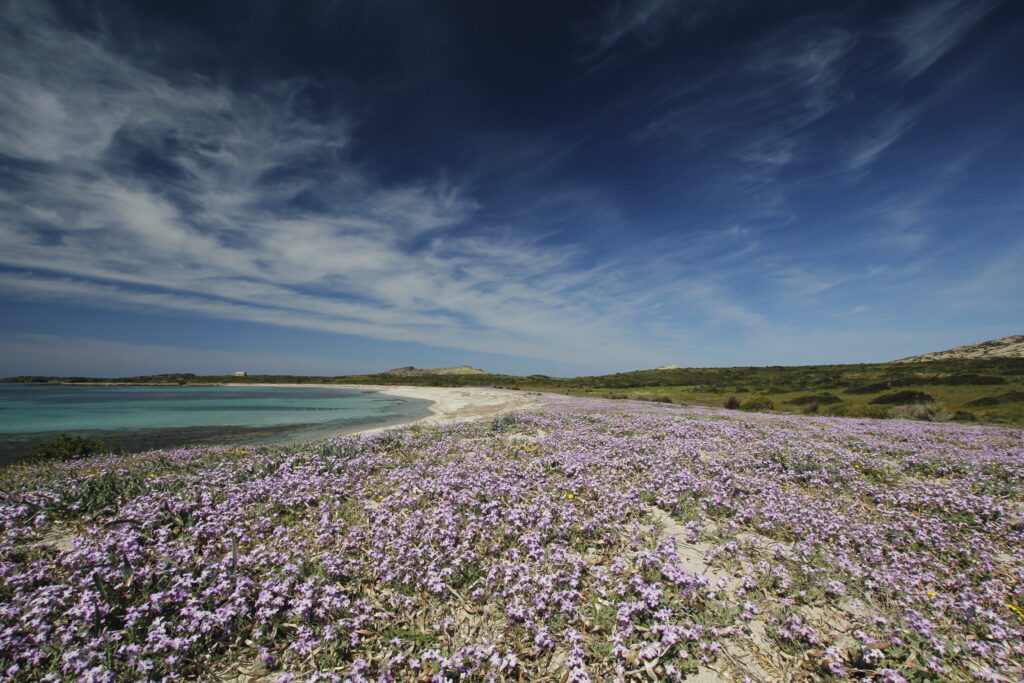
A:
(569, 496)
(931, 593)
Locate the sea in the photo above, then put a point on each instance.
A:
(138, 418)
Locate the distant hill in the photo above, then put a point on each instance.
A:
(410, 371)
(1006, 347)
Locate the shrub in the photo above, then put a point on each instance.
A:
(68, 447)
(757, 403)
(814, 399)
(995, 400)
(902, 398)
(920, 411)
(732, 403)
(503, 423)
(968, 379)
(965, 416)
(869, 388)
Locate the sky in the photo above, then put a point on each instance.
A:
(333, 187)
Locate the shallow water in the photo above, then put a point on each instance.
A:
(141, 417)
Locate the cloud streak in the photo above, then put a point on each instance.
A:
(140, 192)
(931, 30)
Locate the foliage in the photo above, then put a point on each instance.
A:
(69, 447)
(903, 398)
(756, 403)
(872, 388)
(825, 398)
(1000, 398)
(920, 411)
(732, 403)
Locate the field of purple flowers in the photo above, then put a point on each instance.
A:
(583, 542)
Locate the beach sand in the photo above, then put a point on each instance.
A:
(459, 404)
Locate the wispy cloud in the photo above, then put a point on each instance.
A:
(650, 19)
(887, 131)
(141, 192)
(932, 29)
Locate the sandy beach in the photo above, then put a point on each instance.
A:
(459, 404)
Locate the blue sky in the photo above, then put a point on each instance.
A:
(564, 188)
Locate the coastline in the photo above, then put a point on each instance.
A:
(441, 405)
(447, 404)
(459, 404)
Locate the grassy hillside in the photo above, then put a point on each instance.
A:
(986, 390)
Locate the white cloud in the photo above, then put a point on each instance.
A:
(223, 231)
(928, 32)
(888, 130)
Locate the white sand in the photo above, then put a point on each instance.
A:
(459, 404)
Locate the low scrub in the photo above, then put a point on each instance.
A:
(756, 403)
(901, 398)
(1008, 397)
(69, 447)
(811, 399)
(921, 411)
(872, 388)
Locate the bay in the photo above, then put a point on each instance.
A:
(153, 417)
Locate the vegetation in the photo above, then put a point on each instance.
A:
(68, 447)
(903, 398)
(757, 403)
(810, 399)
(585, 542)
(848, 390)
(920, 411)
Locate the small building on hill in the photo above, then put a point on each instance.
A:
(240, 373)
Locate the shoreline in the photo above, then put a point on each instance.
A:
(458, 404)
(447, 404)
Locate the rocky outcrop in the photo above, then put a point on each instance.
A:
(1005, 347)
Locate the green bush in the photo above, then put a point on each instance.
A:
(902, 398)
(869, 388)
(969, 379)
(732, 403)
(68, 447)
(814, 399)
(755, 403)
(996, 400)
(920, 411)
(965, 416)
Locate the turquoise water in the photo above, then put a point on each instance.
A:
(139, 417)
